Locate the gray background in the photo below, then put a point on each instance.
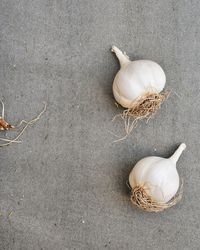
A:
(64, 187)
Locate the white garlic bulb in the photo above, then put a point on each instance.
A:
(155, 181)
(136, 79)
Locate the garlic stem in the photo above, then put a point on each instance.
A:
(122, 57)
(178, 153)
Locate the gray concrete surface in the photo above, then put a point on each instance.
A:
(64, 187)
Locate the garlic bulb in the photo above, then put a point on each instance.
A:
(137, 85)
(155, 181)
(136, 78)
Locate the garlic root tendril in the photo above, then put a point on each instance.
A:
(142, 200)
(27, 124)
(144, 108)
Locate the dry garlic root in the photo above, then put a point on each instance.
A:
(6, 126)
(155, 182)
(138, 87)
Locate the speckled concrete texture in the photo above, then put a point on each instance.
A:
(64, 187)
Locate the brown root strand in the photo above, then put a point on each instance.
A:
(146, 106)
(27, 124)
(142, 108)
(142, 200)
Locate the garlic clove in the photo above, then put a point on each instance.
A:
(4, 125)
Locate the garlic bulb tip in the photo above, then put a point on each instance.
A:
(178, 152)
(183, 145)
(122, 57)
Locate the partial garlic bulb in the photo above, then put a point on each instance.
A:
(155, 181)
(138, 84)
(4, 125)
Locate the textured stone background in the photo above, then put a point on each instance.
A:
(64, 187)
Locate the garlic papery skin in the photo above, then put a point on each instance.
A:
(136, 79)
(155, 181)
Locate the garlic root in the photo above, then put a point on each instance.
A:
(142, 200)
(27, 124)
